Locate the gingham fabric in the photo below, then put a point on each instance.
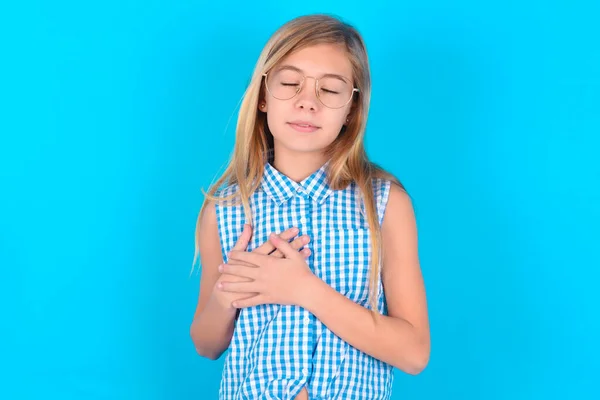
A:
(276, 350)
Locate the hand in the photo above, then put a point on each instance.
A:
(224, 298)
(274, 280)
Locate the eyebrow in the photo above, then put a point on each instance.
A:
(337, 76)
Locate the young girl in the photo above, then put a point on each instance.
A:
(315, 294)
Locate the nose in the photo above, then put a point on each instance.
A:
(307, 98)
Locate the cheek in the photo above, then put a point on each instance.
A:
(278, 113)
(336, 120)
(274, 119)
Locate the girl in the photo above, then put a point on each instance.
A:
(330, 314)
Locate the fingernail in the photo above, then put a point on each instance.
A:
(306, 239)
(220, 285)
(295, 230)
(272, 235)
(220, 267)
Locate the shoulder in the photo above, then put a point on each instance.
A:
(227, 191)
(208, 219)
(380, 185)
(382, 190)
(400, 216)
(399, 202)
(226, 197)
(398, 197)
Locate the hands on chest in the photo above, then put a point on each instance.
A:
(273, 273)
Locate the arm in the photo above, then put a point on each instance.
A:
(402, 338)
(212, 327)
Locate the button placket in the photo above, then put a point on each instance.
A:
(304, 213)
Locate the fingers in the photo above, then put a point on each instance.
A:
(284, 247)
(268, 247)
(238, 287)
(247, 264)
(305, 253)
(288, 234)
(296, 244)
(225, 277)
(239, 270)
(244, 239)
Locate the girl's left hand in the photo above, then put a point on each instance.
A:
(276, 280)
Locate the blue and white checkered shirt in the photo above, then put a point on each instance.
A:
(276, 350)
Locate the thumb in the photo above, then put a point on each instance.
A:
(283, 246)
(244, 239)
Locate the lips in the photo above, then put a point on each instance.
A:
(303, 126)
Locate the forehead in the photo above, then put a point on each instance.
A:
(321, 59)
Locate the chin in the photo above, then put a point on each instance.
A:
(299, 145)
(308, 148)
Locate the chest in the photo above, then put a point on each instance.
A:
(340, 241)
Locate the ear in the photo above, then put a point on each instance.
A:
(262, 106)
(349, 116)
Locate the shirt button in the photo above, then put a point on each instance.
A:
(307, 319)
(305, 371)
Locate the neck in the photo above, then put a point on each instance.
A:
(298, 166)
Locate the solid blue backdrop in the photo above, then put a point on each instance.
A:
(113, 116)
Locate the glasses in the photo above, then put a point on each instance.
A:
(333, 91)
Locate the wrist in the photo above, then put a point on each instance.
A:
(308, 291)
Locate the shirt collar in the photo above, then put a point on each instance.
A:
(280, 187)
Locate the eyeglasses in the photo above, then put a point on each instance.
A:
(333, 91)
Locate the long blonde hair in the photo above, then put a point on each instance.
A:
(348, 161)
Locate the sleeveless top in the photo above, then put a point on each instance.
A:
(276, 350)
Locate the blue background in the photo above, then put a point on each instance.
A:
(114, 115)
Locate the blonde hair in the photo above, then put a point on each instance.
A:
(348, 161)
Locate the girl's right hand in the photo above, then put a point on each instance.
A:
(224, 299)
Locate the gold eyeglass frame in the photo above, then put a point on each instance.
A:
(301, 86)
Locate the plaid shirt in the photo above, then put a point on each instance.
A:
(276, 350)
